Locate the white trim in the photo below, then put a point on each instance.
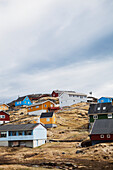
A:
(101, 136)
(108, 136)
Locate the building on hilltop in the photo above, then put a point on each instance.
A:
(4, 107)
(38, 108)
(29, 135)
(57, 93)
(70, 98)
(4, 117)
(21, 101)
(100, 111)
(105, 100)
(48, 119)
(102, 131)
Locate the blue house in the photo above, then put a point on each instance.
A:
(105, 100)
(29, 135)
(25, 100)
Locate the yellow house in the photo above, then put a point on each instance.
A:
(38, 108)
(4, 107)
(48, 119)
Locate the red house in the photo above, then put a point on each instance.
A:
(4, 117)
(102, 131)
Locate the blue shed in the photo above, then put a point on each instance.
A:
(23, 101)
(105, 100)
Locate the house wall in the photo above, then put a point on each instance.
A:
(54, 94)
(43, 106)
(98, 138)
(68, 100)
(100, 116)
(3, 143)
(5, 119)
(105, 100)
(48, 120)
(37, 112)
(4, 107)
(26, 102)
(40, 133)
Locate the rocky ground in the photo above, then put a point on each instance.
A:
(65, 152)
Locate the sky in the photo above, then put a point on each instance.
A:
(55, 44)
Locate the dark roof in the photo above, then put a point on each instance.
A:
(93, 109)
(18, 127)
(102, 126)
(47, 114)
(20, 98)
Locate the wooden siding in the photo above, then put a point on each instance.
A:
(4, 107)
(7, 117)
(52, 120)
(98, 138)
(100, 116)
(43, 106)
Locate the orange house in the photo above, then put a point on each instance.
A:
(48, 119)
(4, 107)
(38, 108)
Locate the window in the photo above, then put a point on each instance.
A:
(104, 108)
(14, 133)
(20, 133)
(98, 108)
(73, 100)
(29, 108)
(9, 133)
(101, 136)
(48, 119)
(37, 106)
(29, 132)
(109, 116)
(45, 105)
(2, 116)
(108, 136)
(3, 134)
(51, 105)
(95, 116)
(81, 97)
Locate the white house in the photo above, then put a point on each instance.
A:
(70, 98)
(29, 135)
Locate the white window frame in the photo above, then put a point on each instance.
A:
(47, 119)
(108, 136)
(2, 116)
(101, 136)
(104, 108)
(95, 116)
(98, 108)
(109, 116)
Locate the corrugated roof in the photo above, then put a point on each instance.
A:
(18, 127)
(102, 126)
(93, 109)
(46, 114)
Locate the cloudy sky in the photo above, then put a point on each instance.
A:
(55, 44)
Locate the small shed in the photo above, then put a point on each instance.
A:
(102, 131)
(4, 117)
(48, 119)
